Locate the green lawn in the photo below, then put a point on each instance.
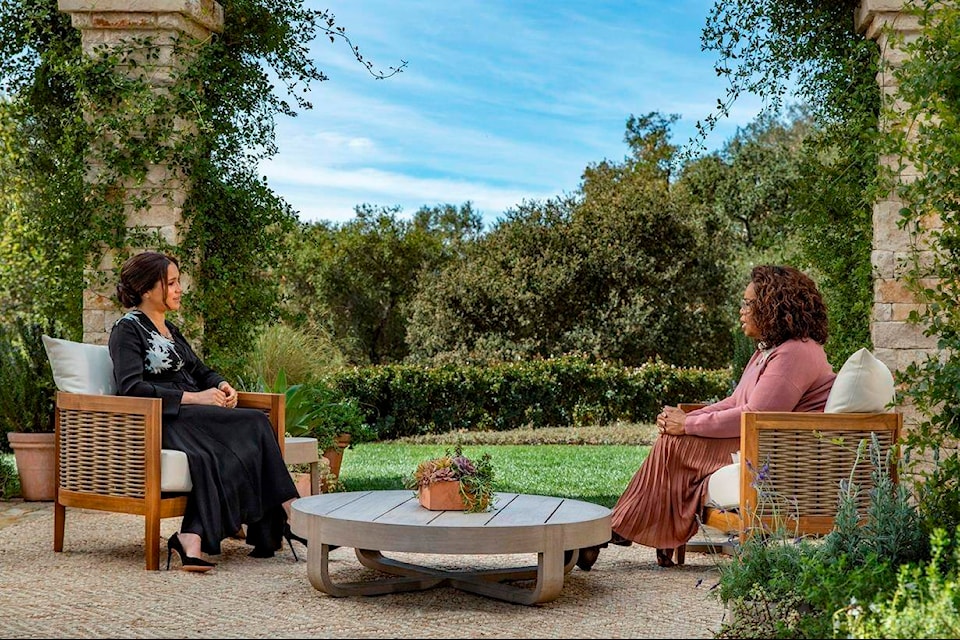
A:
(595, 473)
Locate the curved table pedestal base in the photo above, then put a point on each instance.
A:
(552, 566)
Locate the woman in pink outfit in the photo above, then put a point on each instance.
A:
(782, 310)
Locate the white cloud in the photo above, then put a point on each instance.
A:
(503, 100)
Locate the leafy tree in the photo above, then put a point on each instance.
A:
(776, 191)
(72, 114)
(615, 271)
(356, 279)
(811, 52)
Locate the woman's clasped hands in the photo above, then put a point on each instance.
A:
(670, 421)
(223, 396)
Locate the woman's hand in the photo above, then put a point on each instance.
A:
(226, 397)
(670, 421)
(230, 394)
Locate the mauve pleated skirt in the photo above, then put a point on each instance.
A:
(660, 506)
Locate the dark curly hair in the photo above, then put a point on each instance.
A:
(789, 306)
(140, 273)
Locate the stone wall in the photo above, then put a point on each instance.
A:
(114, 23)
(895, 341)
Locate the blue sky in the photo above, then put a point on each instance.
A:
(501, 101)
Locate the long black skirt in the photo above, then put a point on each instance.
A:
(238, 475)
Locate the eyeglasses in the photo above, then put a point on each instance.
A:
(748, 304)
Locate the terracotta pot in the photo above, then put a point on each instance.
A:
(302, 482)
(442, 496)
(334, 455)
(35, 455)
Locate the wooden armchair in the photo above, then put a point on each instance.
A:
(108, 458)
(802, 462)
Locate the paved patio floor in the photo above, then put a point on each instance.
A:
(98, 588)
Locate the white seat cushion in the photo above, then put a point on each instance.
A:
(863, 385)
(174, 471)
(723, 487)
(87, 368)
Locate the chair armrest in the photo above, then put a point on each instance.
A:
(804, 457)
(108, 445)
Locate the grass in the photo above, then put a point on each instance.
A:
(557, 463)
(585, 463)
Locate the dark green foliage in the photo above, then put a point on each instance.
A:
(356, 280)
(801, 583)
(408, 400)
(930, 84)
(618, 271)
(26, 381)
(782, 192)
(826, 184)
(69, 113)
(9, 478)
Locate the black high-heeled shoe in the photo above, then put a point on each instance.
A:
(189, 563)
(665, 558)
(290, 536)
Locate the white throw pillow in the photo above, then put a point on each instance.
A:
(864, 385)
(79, 367)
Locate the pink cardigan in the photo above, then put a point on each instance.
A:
(793, 376)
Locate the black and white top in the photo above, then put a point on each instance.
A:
(148, 364)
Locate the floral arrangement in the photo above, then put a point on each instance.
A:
(475, 477)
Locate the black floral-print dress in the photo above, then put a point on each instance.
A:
(236, 467)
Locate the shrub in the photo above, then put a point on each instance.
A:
(26, 381)
(778, 586)
(299, 353)
(313, 409)
(410, 400)
(9, 477)
(925, 603)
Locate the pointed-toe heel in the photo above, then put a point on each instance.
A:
(188, 563)
(290, 536)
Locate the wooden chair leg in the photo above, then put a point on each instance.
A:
(151, 541)
(59, 517)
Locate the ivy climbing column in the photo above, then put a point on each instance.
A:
(896, 341)
(153, 205)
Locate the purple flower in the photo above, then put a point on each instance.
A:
(464, 466)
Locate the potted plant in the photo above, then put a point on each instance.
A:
(329, 482)
(27, 407)
(454, 482)
(314, 409)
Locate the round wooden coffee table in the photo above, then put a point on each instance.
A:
(375, 521)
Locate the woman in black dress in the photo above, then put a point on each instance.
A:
(237, 470)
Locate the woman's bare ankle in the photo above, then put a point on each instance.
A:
(191, 544)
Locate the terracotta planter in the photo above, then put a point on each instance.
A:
(302, 482)
(334, 455)
(442, 496)
(35, 455)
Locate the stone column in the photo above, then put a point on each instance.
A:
(116, 23)
(896, 342)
